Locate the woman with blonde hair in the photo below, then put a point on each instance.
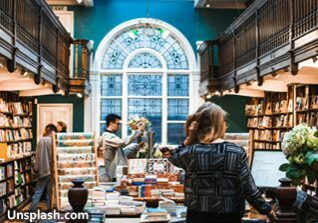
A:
(218, 179)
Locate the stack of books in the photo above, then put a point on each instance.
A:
(98, 198)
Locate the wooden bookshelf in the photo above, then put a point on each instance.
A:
(268, 119)
(16, 151)
(278, 112)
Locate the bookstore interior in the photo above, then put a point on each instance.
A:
(265, 74)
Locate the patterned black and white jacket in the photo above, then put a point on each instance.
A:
(218, 178)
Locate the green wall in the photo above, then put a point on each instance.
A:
(78, 109)
(235, 106)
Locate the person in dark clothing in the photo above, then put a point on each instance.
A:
(218, 179)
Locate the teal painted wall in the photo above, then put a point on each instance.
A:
(204, 24)
(235, 107)
(78, 109)
(196, 24)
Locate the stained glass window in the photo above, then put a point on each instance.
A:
(178, 109)
(149, 108)
(145, 36)
(142, 93)
(111, 85)
(114, 57)
(110, 106)
(145, 60)
(144, 85)
(176, 133)
(176, 58)
(178, 85)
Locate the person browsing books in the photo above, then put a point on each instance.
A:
(218, 179)
(116, 150)
(42, 167)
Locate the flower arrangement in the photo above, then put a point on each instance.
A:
(300, 145)
(136, 122)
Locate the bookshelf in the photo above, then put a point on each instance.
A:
(269, 118)
(16, 156)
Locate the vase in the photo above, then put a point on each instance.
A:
(286, 196)
(78, 195)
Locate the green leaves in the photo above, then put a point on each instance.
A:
(311, 157)
(284, 167)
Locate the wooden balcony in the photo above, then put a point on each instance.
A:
(79, 83)
(270, 36)
(33, 40)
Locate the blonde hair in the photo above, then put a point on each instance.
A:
(211, 123)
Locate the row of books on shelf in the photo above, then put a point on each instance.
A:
(303, 102)
(282, 106)
(268, 135)
(266, 145)
(16, 108)
(7, 187)
(6, 171)
(254, 110)
(19, 148)
(12, 135)
(15, 199)
(269, 121)
(15, 121)
(310, 118)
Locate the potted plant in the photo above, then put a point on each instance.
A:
(300, 145)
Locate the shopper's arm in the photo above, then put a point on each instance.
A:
(131, 151)
(307, 203)
(179, 157)
(117, 142)
(252, 194)
(38, 153)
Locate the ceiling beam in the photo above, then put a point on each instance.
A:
(87, 3)
(39, 92)
(62, 2)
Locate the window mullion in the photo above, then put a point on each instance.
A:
(164, 135)
(125, 105)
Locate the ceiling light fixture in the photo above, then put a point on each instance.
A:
(79, 95)
(79, 1)
(1, 65)
(25, 73)
(208, 5)
(217, 93)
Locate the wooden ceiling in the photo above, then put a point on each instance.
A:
(87, 3)
(22, 82)
(222, 4)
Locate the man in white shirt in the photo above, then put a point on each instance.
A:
(115, 149)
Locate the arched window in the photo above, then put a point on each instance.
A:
(145, 71)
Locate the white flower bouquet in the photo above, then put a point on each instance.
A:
(300, 145)
(138, 122)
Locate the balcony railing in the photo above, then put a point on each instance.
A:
(34, 38)
(270, 35)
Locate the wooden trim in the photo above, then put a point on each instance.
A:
(55, 194)
(96, 163)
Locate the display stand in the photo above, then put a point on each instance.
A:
(74, 156)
